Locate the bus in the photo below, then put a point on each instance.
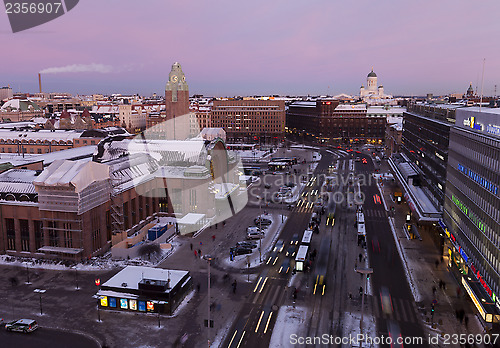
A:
(291, 160)
(360, 218)
(279, 166)
(306, 239)
(300, 259)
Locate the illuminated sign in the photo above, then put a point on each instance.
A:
(464, 255)
(104, 301)
(493, 129)
(150, 306)
(472, 123)
(481, 280)
(112, 302)
(133, 304)
(468, 212)
(478, 179)
(123, 303)
(142, 306)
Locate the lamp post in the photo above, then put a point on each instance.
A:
(209, 259)
(27, 273)
(260, 228)
(98, 298)
(76, 277)
(40, 292)
(157, 304)
(367, 272)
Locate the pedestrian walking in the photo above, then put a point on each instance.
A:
(199, 252)
(195, 253)
(191, 246)
(213, 237)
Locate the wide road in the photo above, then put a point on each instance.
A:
(387, 266)
(254, 325)
(46, 338)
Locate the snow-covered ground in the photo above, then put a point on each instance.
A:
(351, 328)
(290, 321)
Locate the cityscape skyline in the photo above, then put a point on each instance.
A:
(436, 50)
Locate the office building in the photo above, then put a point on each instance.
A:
(472, 206)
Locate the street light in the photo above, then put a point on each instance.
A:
(40, 292)
(27, 273)
(98, 298)
(76, 276)
(158, 309)
(260, 228)
(366, 271)
(209, 259)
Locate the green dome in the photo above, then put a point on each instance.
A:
(372, 74)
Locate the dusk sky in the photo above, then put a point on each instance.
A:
(259, 47)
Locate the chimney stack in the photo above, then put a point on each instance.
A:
(40, 82)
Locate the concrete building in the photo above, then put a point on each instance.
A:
(472, 206)
(250, 120)
(5, 93)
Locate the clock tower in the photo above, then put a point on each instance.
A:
(176, 96)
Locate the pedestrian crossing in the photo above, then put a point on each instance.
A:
(304, 206)
(375, 213)
(401, 311)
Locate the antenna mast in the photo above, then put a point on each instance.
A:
(482, 84)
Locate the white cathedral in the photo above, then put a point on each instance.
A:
(371, 90)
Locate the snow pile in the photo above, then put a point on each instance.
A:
(290, 321)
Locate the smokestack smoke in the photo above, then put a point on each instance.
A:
(76, 68)
(40, 82)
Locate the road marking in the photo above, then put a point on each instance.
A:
(257, 285)
(258, 323)
(263, 284)
(268, 320)
(241, 339)
(231, 342)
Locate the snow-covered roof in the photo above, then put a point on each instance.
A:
(41, 135)
(357, 107)
(20, 105)
(191, 219)
(79, 174)
(132, 275)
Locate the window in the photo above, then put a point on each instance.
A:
(38, 234)
(53, 235)
(11, 234)
(25, 235)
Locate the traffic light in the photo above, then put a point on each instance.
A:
(432, 308)
(367, 275)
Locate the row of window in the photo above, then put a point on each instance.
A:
(478, 179)
(486, 260)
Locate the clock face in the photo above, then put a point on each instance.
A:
(173, 78)
(183, 78)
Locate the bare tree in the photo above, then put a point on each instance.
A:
(149, 249)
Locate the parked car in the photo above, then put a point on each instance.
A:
(255, 234)
(246, 244)
(262, 221)
(290, 184)
(241, 250)
(22, 325)
(267, 186)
